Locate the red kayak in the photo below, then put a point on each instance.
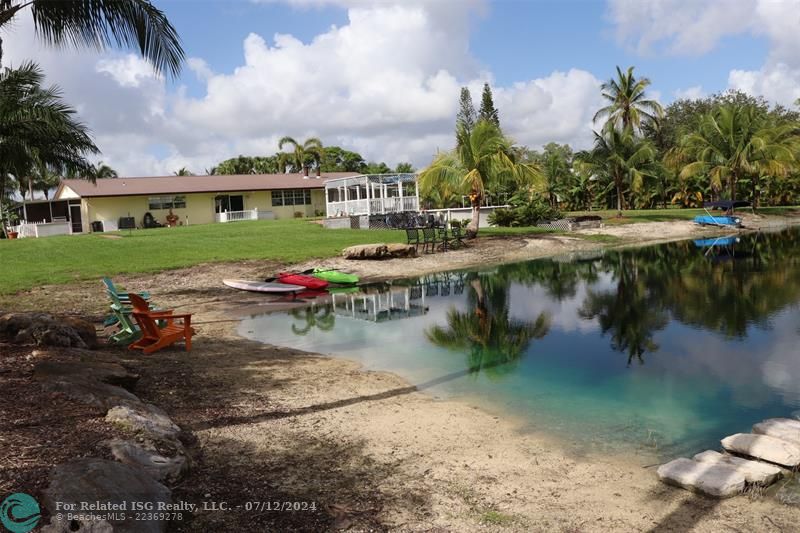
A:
(309, 282)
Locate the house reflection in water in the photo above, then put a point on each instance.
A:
(393, 302)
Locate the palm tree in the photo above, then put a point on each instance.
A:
(183, 171)
(321, 318)
(37, 129)
(733, 142)
(627, 106)
(101, 24)
(622, 158)
(298, 157)
(482, 159)
(103, 171)
(556, 171)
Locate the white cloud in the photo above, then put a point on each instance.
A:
(385, 84)
(691, 93)
(690, 27)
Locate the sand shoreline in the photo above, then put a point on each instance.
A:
(372, 450)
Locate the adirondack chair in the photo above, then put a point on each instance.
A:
(153, 337)
(128, 331)
(122, 296)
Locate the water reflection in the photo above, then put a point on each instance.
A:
(685, 342)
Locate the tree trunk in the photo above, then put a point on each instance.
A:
(619, 198)
(472, 227)
(732, 185)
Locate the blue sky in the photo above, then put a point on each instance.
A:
(382, 77)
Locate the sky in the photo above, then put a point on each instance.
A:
(383, 77)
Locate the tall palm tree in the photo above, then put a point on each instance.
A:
(620, 157)
(37, 129)
(628, 105)
(556, 173)
(301, 153)
(103, 171)
(482, 159)
(733, 142)
(183, 171)
(101, 24)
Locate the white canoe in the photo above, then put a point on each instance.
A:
(261, 286)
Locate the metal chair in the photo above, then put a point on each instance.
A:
(429, 239)
(412, 237)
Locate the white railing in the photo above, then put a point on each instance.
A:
(41, 229)
(237, 216)
(373, 206)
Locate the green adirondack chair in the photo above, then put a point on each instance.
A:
(123, 296)
(128, 331)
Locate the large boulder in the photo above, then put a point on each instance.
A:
(157, 466)
(366, 251)
(47, 330)
(714, 479)
(145, 419)
(754, 471)
(782, 428)
(86, 481)
(764, 447)
(103, 371)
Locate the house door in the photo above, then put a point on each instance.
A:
(224, 203)
(75, 218)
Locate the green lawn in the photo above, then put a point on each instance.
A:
(27, 263)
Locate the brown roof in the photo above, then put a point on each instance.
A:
(195, 184)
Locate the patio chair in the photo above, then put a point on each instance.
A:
(444, 238)
(429, 239)
(153, 337)
(412, 237)
(122, 296)
(457, 237)
(128, 331)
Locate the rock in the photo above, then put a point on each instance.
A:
(106, 372)
(100, 480)
(796, 415)
(91, 391)
(714, 479)
(789, 493)
(754, 472)
(154, 464)
(144, 418)
(764, 447)
(85, 329)
(397, 249)
(366, 251)
(45, 329)
(781, 428)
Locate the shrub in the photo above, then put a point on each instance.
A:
(299, 214)
(457, 223)
(524, 212)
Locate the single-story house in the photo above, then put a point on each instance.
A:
(121, 202)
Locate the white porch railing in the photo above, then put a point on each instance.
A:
(373, 206)
(41, 229)
(248, 214)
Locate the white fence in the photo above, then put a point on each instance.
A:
(41, 229)
(373, 206)
(248, 214)
(465, 213)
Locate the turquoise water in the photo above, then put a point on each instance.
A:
(663, 350)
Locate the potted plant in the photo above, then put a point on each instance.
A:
(9, 219)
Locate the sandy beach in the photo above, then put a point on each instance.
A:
(370, 451)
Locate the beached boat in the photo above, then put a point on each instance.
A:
(726, 220)
(309, 282)
(335, 276)
(261, 286)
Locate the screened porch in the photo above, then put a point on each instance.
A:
(373, 194)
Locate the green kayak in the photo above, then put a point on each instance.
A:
(335, 276)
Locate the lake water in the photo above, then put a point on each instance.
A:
(660, 350)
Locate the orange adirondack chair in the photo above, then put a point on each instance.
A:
(153, 337)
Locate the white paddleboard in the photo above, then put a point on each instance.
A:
(261, 286)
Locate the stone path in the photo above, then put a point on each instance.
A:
(758, 458)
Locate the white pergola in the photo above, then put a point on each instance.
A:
(371, 194)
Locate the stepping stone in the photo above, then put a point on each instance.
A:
(714, 479)
(764, 447)
(754, 472)
(781, 428)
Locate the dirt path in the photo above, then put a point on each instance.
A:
(369, 452)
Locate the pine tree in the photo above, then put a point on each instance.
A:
(488, 111)
(466, 113)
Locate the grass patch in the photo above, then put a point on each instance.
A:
(600, 237)
(496, 518)
(31, 262)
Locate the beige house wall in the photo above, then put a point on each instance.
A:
(199, 207)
